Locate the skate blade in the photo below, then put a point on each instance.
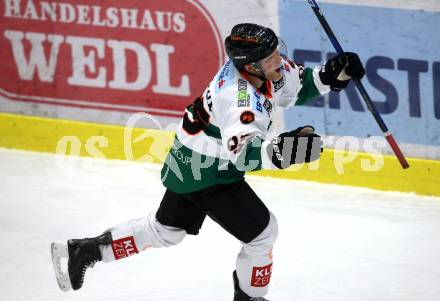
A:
(58, 252)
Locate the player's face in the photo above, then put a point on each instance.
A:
(271, 66)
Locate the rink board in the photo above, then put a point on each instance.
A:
(107, 141)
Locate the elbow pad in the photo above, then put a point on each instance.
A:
(295, 147)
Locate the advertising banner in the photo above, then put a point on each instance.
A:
(400, 52)
(100, 61)
(150, 56)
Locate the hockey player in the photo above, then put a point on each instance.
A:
(222, 135)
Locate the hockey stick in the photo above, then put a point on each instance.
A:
(360, 87)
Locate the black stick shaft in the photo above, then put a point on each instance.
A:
(392, 142)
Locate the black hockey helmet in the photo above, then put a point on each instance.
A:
(249, 43)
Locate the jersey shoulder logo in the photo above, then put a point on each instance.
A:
(247, 117)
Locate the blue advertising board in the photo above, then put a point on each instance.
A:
(400, 50)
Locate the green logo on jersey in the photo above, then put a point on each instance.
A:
(243, 99)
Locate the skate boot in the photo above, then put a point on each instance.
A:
(239, 295)
(84, 253)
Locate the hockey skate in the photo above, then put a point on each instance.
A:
(80, 254)
(239, 295)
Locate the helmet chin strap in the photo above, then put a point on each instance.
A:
(259, 70)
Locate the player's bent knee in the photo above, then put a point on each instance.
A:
(161, 235)
(169, 235)
(266, 239)
(148, 232)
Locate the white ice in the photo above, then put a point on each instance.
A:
(335, 242)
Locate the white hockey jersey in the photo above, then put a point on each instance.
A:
(222, 134)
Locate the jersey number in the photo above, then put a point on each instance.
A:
(200, 117)
(236, 143)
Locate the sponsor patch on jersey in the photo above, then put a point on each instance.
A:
(257, 94)
(124, 247)
(245, 101)
(259, 106)
(277, 85)
(224, 73)
(256, 101)
(268, 106)
(243, 98)
(221, 83)
(261, 276)
(247, 117)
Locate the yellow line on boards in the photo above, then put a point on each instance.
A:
(110, 142)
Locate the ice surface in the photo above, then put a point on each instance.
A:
(335, 242)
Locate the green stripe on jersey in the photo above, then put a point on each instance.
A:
(186, 171)
(308, 90)
(213, 131)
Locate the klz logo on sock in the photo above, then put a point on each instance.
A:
(261, 276)
(124, 247)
